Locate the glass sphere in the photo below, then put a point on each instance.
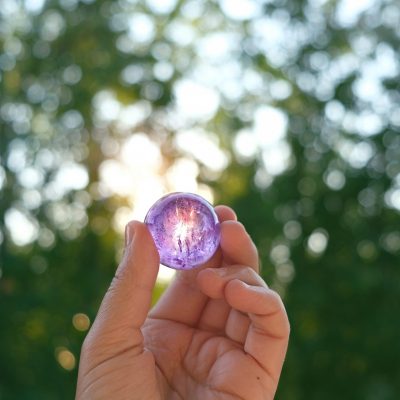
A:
(185, 229)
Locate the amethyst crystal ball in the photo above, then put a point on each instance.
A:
(185, 229)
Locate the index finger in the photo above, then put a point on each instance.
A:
(237, 246)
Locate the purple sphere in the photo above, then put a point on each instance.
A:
(185, 229)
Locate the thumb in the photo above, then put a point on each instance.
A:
(128, 299)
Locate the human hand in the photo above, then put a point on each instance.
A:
(217, 332)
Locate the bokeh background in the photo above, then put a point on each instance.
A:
(286, 110)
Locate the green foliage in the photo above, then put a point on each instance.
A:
(320, 197)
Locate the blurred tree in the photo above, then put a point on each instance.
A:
(289, 110)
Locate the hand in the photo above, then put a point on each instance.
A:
(217, 332)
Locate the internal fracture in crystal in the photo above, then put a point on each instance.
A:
(185, 229)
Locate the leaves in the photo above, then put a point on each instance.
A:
(77, 80)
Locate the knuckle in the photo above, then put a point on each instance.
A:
(249, 272)
(240, 225)
(284, 315)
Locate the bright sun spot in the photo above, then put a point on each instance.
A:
(23, 230)
(181, 230)
(349, 11)
(139, 174)
(195, 101)
(267, 136)
(204, 147)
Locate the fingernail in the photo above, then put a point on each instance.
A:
(129, 234)
(219, 271)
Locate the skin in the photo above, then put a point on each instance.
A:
(218, 332)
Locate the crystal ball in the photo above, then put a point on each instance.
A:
(185, 229)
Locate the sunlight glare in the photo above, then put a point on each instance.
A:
(21, 227)
(203, 146)
(348, 12)
(195, 101)
(241, 9)
(139, 175)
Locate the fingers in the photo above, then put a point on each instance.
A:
(184, 302)
(225, 213)
(213, 316)
(237, 326)
(237, 246)
(127, 301)
(116, 329)
(258, 318)
(245, 291)
(263, 305)
(218, 315)
(268, 334)
(212, 281)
